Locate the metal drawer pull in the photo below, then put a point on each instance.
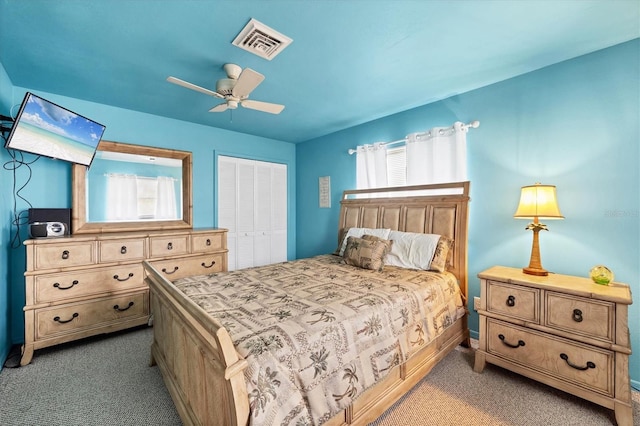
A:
(118, 308)
(57, 285)
(175, 268)
(123, 250)
(170, 246)
(589, 365)
(65, 254)
(577, 315)
(213, 262)
(57, 319)
(511, 301)
(520, 342)
(115, 277)
(208, 242)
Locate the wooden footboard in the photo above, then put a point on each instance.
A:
(204, 373)
(199, 364)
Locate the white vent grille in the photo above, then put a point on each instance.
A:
(261, 40)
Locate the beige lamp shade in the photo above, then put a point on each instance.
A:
(538, 201)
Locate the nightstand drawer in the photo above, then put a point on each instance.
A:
(515, 301)
(592, 318)
(572, 362)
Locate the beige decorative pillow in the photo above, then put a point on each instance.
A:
(359, 232)
(388, 243)
(365, 254)
(440, 259)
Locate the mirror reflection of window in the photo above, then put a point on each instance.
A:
(131, 197)
(147, 197)
(128, 187)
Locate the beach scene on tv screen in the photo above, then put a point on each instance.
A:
(47, 129)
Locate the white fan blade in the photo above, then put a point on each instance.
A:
(262, 106)
(219, 108)
(192, 86)
(248, 80)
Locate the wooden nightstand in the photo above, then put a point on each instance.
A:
(564, 331)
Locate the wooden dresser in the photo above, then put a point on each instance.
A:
(565, 331)
(88, 284)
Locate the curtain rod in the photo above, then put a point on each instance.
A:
(474, 124)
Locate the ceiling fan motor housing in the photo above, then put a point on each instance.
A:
(233, 71)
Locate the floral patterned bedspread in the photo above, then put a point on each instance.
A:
(317, 332)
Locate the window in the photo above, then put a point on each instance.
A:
(147, 197)
(397, 166)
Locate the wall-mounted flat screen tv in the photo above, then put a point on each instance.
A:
(44, 128)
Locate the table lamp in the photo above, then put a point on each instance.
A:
(537, 202)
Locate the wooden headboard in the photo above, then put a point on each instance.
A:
(429, 209)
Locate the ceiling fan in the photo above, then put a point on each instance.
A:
(234, 89)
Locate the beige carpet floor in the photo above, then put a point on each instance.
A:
(106, 380)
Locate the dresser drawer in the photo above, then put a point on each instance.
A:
(121, 250)
(570, 361)
(63, 255)
(205, 243)
(69, 285)
(514, 301)
(76, 317)
(169, 246)
(592, 318)
(186, 266)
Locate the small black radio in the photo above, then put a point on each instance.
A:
(47, 229)
(45, 223)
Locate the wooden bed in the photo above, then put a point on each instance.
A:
(204, 372)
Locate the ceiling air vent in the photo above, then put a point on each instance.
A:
(261, 40)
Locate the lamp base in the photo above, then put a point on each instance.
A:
(535, 271)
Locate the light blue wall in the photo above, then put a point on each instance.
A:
(575, 125)
(50, 184)
(6, 90)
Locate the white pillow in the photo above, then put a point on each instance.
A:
(359, 232)
(411, 250)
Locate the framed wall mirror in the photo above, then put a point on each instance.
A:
(130, 188)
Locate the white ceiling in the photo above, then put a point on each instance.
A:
(350, 62)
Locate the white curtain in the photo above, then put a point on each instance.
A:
(133, 198)
(166, 204)
(371, 166)
(122, 196)
(437, 156)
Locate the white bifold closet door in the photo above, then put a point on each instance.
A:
(252, 205)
